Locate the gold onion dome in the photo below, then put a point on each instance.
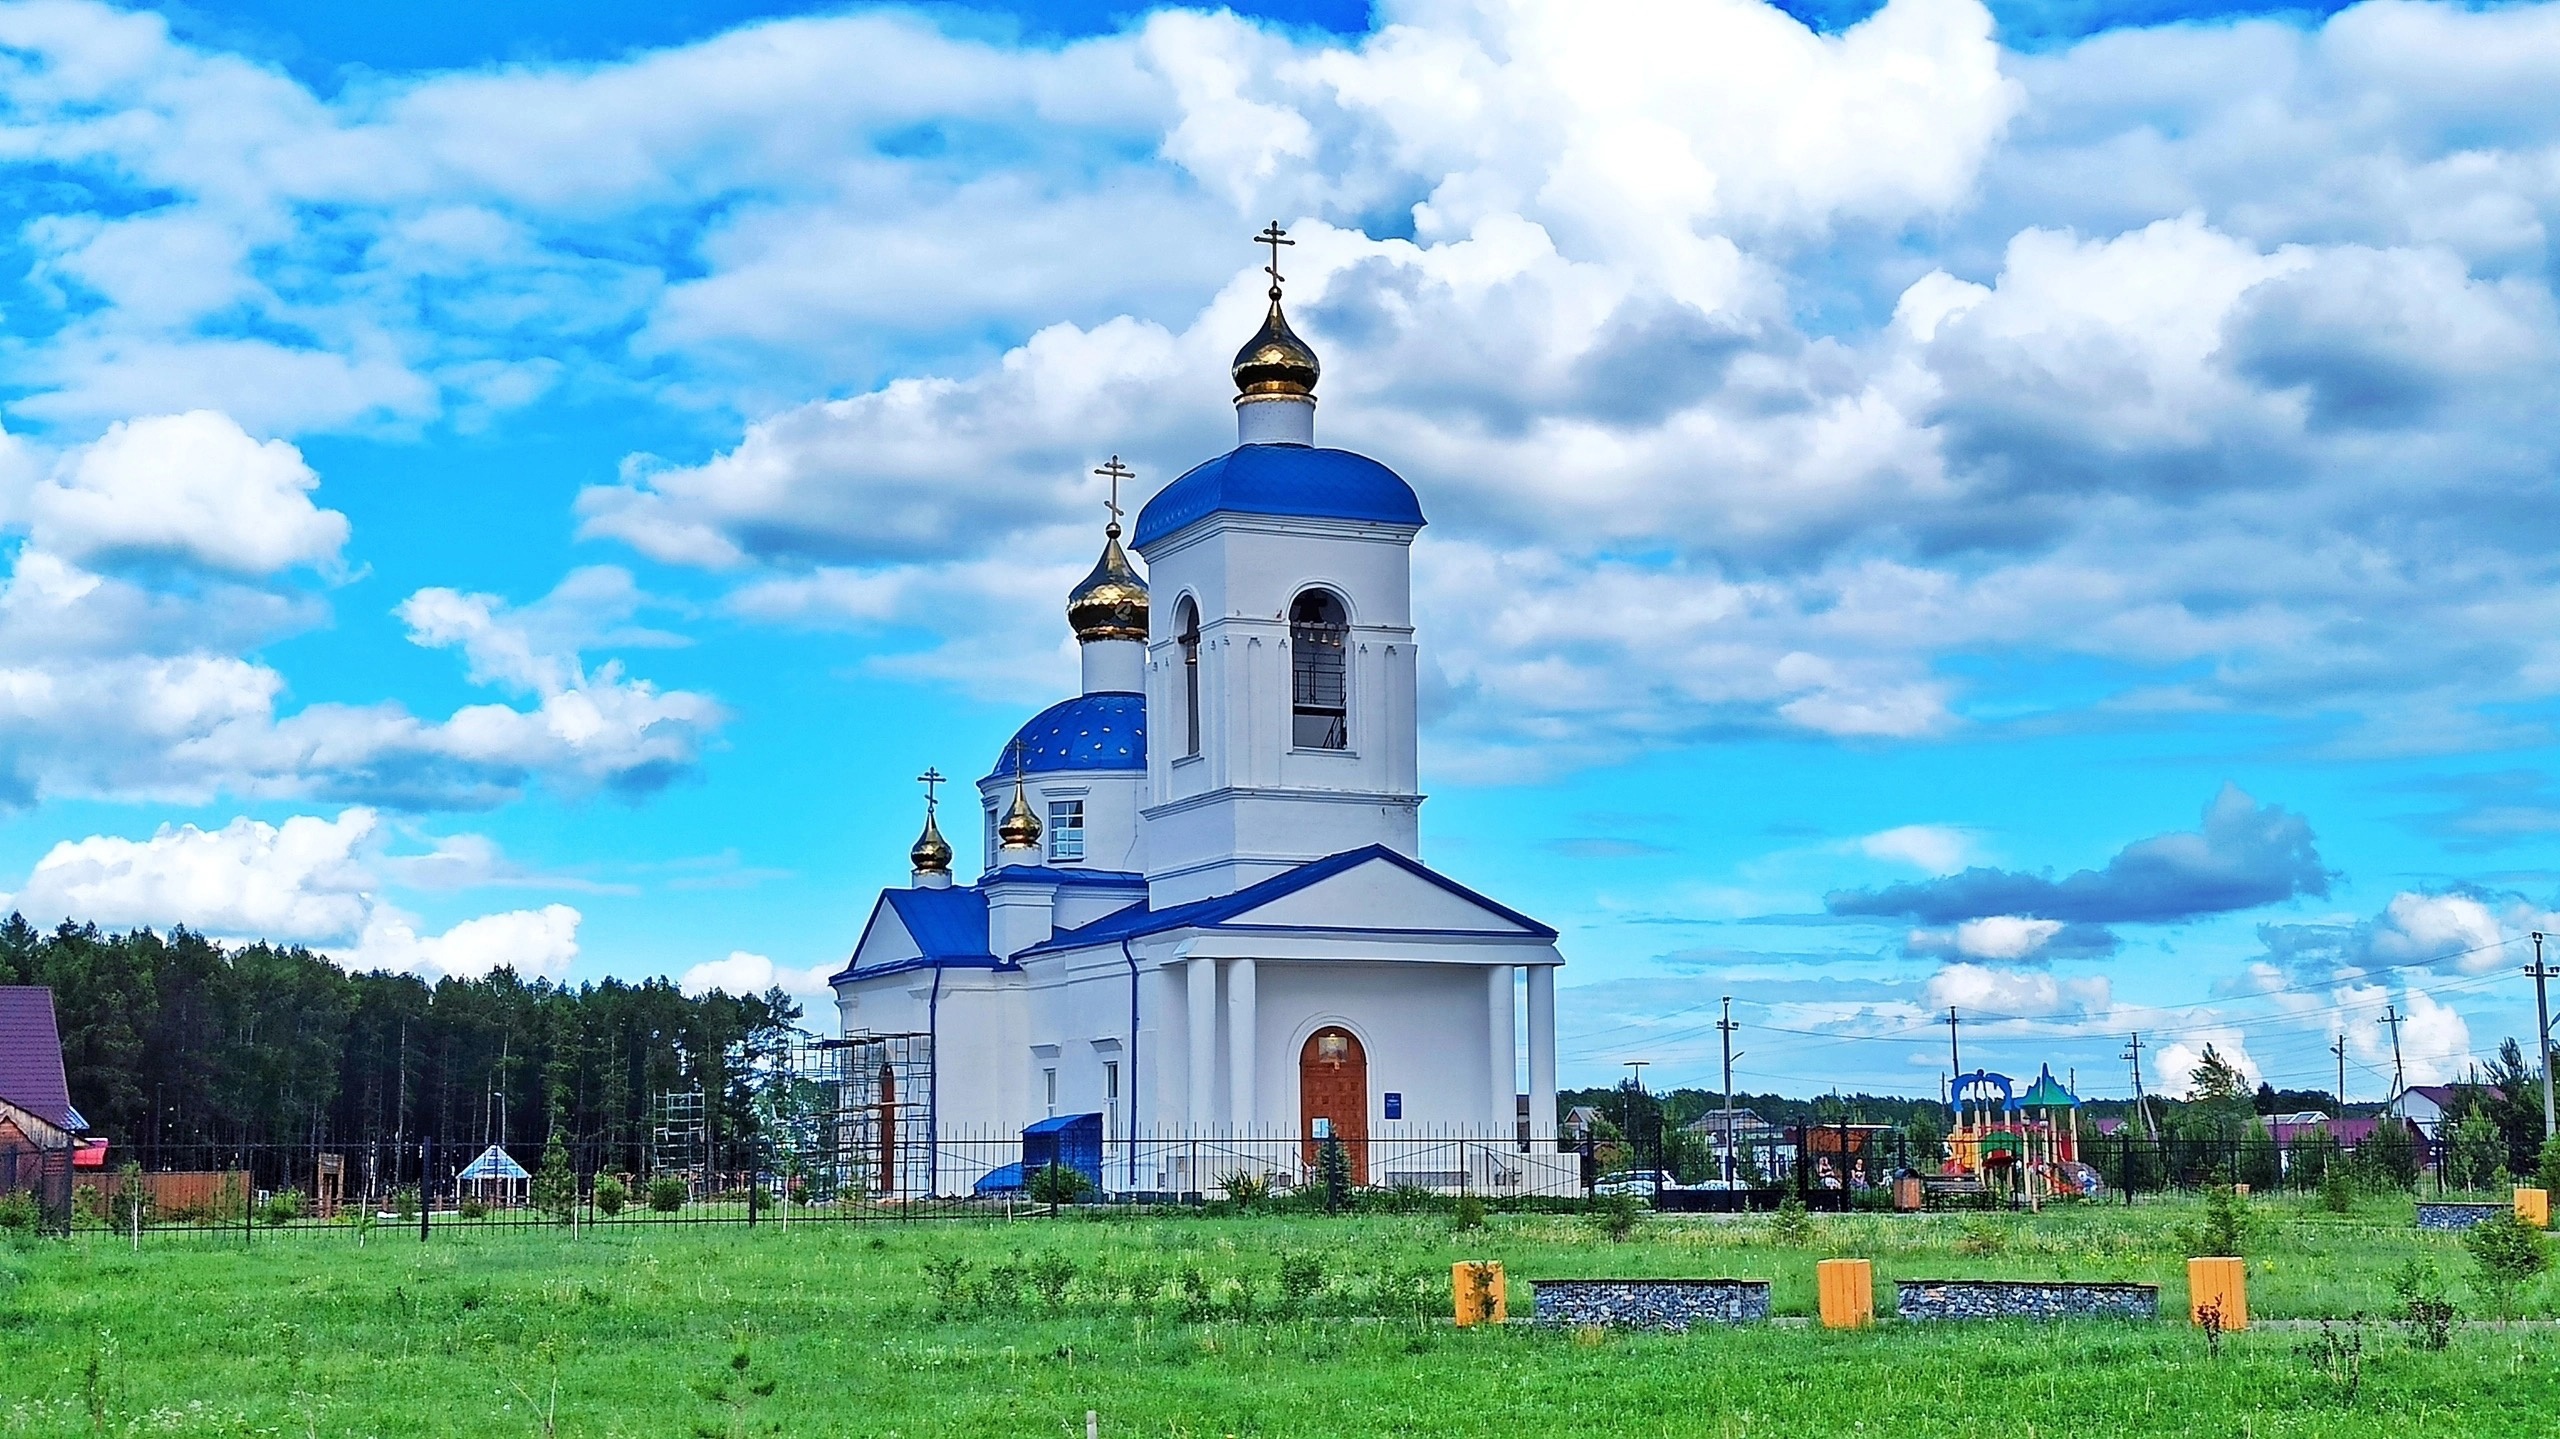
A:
(1275, 361)
(1021, 828)
(1111, 603)
(932, 853)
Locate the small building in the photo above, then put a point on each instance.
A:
(494, 1178)
(40, 1131)
(2425, 1106)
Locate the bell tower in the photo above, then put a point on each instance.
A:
(1280, 674)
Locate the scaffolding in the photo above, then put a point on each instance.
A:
(680, 1140)
(849, 1119)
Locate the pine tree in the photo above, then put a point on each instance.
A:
(555, 1185)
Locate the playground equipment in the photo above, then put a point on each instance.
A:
(2025, 1146)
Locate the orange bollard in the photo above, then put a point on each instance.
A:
(1477, 1292)
(2533, 1206)
(1848, 1290)
(2221, 1285)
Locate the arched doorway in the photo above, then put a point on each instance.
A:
(1333, 1085)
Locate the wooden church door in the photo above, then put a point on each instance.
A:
(1333, 1086)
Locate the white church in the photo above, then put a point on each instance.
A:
(1205, 917)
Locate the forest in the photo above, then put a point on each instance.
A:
(174, 1041)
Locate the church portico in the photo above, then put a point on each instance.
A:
(1204, 917)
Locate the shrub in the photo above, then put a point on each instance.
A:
(1791, 1226)
(404, 1202)
(1333, 1172)
(473, 1207)
(1301, 1279)
(2547, 1174)
(18, 1213)
(282, 1207)
(947, 1285)
(1618, 1214)
(2424, 1311)
(1056, 1184)
(2474, 1152)
(2507, 1253)
(2225, 1230)
(1050, 1276)
(667, 1194)
(555, 1186)
(1982, 1238)
(1470, 1212)
(1247, 1189)
(2337, 1191)
(2388, 1159)
(611, 1195)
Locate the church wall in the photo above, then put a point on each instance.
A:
(1111, 827)
(1424, 1026)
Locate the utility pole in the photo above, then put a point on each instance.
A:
(2141, 1101)
(1630, 1106)
(1955, 1057)
(1726, 1030)
(2340, 1049)
(2392, 1016)
(2542, 1028)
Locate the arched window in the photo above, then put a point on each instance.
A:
(1319, 628)
(1187, 619)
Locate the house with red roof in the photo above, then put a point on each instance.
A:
(39, 1129)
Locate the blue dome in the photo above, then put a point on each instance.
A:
(1100, 731)
(1281, 480)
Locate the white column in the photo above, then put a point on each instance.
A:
(1502, 1072)
(1542, 1051)
(1242, 1052)
(1203, 1078)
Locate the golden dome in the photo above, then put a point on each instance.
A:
(1021, 828)
(1275, 361)
(932, 853)
(1111, 603)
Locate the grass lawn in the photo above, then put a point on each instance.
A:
(1215, 1326)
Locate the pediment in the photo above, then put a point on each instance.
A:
(1382, 894)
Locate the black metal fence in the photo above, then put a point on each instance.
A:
(426, 1186)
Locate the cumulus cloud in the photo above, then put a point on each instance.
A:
(2244, 855)
(193, 485)
(742, 973)
(1936, 848)
(2466, 931)
(2016, 993)
(310, 880)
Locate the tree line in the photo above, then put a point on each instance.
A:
(172, 1041)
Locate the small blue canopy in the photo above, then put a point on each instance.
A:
(493, 1163)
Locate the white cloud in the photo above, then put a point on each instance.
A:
(308, 880)
(746, 974)
(194, 485)
(2179, 1058)
(535, 943)
(1934, 848)
(1995, 994)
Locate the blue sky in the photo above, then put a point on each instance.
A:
(2045, 509)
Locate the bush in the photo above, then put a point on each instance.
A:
(2474, 1153)
(1618, 1214)
(472, 1207)
(555, 1186)
(611, 1195)
(1333, 1172)
(1246, 1189)
(2507, 1253)
(1791, 1226)
(2225, 1230)
(1050, 1276)
(1056, 1184)
(2547, 1174)
(18, 1213)
(1470, 1212)
(667, 1194)
(2337, 1191)
(1982, 1238)
(1301, 1279)
(282, 1207)
(404, 1202)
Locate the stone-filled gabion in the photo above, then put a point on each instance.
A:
(2457, 1216)
(2011, 1299)
(1673, 1304)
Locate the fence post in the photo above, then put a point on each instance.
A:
(2125, 1167)
(426, 1185)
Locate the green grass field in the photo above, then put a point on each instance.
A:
(1216, 1326)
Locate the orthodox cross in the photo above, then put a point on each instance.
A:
(1116, 472)
(931, 779)
(1275, 237)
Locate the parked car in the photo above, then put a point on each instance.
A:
(1643, 1184)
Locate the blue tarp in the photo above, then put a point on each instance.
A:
(1007, 1180)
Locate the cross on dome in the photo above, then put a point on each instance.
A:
(1116, 472)
(1275, 237)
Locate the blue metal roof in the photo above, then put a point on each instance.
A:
(949, 927)
(1280, 480)
(1049, 874)
(1096, 731)
(1138, 919)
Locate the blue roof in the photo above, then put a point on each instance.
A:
(949, 927)
(1049, 874)
(1096, 731)
(1138, 919)
(1296, 480)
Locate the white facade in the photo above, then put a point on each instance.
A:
(1239, 951)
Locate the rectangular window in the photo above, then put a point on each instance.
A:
(1049, 1079)
(1111, 1099)
(1066, 829)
